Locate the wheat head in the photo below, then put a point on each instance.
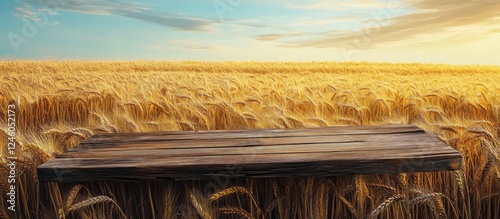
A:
(235, 211)
(384, 205)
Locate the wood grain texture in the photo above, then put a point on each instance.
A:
(188, 155)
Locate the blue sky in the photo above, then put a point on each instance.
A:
(429, 31)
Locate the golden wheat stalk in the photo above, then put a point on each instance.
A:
(39, 151)
(152, 123)
(489, 123)
(82, 132)
(235, 211)
(479, 179)
(16, 139)
(390, 189)
(89, 202)
(425, 197)
(105, 123)
(131, 123)
(482, 132)
(318, 120)
(384, 205)
(61, 214)
(349, 206)
(403, 179)
(95, 200)
(187, 124)
(71, 197)
(458, 177)
(202, 209)
(440, 206)
(225, 192)
(448, 128)
(53, 130)
(103, 129)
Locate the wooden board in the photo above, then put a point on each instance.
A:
(188, 155)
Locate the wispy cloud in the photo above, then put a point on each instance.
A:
(257, 23)
(306, 21)
(339, 5)
(88, 6)
(175, 22)
(29, 12)
(430, 19)
(193, 44)
(134, 11)
(274, 37)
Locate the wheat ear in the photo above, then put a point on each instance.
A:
(351, 208)
(460, 182)
(224, 192)
(95, 200)
(384, 205)
(202, 211)
(72, 195)
(39, 150)
(60, 214)
(90, 201)
(425, 198)
(479, 178)
(82, 132)
(440, 206)
(382, 186)
(235, 211)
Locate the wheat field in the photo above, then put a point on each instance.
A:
(60, 103)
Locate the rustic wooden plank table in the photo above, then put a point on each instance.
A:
(187, 155)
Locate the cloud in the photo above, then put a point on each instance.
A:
(26, 12)
(192, 44)
(134, 11)
(274, 37)
(326, 21)
(260, 23)
(29, 12)
(429, 19)
(339, 5)
(178, 23)
(89, 6)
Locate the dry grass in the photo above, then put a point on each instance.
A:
(64, 102)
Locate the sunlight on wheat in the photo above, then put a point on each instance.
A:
(65, 102)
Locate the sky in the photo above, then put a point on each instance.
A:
(424, 31)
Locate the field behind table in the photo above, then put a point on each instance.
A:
(60, 103)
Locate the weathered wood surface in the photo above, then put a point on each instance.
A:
(252, 153)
